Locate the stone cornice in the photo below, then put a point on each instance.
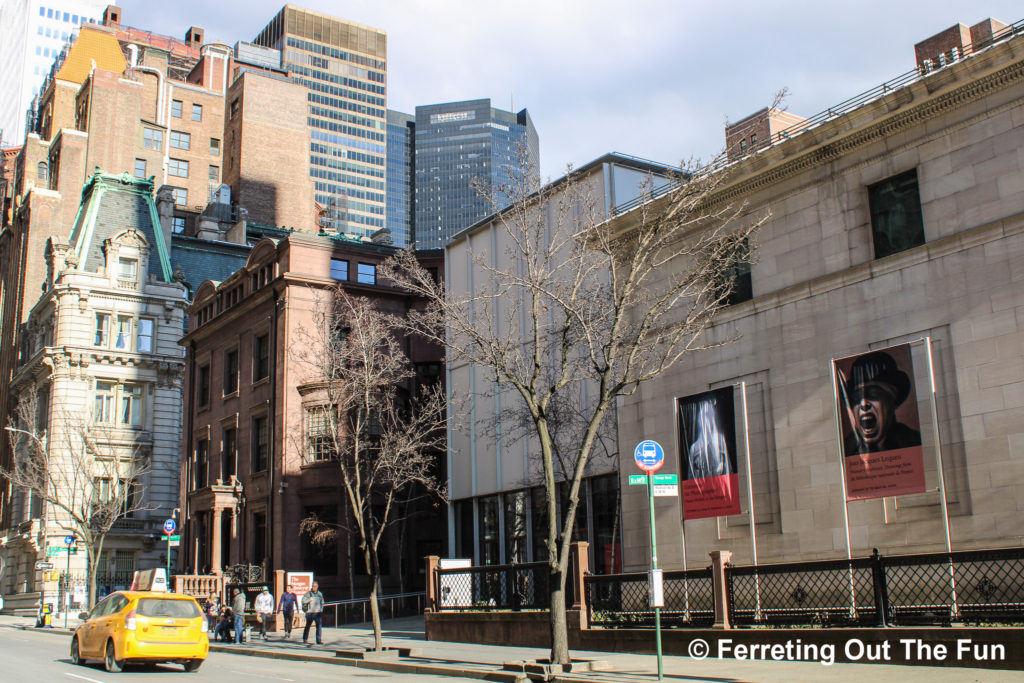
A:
(883, 128)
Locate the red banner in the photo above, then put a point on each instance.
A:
(879, 423)
(707, 454)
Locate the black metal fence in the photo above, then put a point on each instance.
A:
(357, 610)
(496, 587)
(621, 600)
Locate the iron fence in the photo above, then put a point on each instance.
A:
(826, 593)
(496, 587)
(621, 600)
(357, 610)
(972, 585)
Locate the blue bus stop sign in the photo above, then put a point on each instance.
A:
(649, 456)
(170, 526)
(69, 541)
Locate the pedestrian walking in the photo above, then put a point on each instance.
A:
(238, 607)
(264, 606)
(287, 607)
(212, 612)
(313, 606)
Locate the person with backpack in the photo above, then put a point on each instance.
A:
(313, 606)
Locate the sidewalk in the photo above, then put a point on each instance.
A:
(464, 660)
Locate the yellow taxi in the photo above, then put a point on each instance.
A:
(142, 627)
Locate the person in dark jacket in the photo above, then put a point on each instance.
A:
(286, 606)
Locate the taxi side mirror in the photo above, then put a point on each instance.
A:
(83, 616)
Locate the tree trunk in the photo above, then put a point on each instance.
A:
(378, 637)
(559, 626)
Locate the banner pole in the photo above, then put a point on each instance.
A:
(682, 521)
(842, 479)
(750, 500)
(942, 477)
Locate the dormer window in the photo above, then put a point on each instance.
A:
(127, 272)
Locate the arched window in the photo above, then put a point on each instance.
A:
(42, 171)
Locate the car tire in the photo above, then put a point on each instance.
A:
(111, 662)
(76, 656)
(192, 665)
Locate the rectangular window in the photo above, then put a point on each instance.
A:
(144, 343)
(339, 269)
(896, 223)
(234, 107)
(487, 510)
(177, 167)
(102, 329)
(319, 444)
(515, 526)
(215, 174)
(367, 274)
(152, 138)
(103, 407)
(178, 225)
(197, 112)
(180, 196)
(176, 108)
(228, 455)
(214, 146)
(260, 444)
(230, 372)
(201, 464)
(203, 386)
(140, 168)
(131, 405)
(260, 357)
(180, 140)
(123, 338)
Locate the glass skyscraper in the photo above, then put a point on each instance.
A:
(343, 67)
(455, 143)
(400, 177)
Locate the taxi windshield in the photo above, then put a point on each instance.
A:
(168, 607)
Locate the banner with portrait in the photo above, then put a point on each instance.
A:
(707, 454)
(879, 424)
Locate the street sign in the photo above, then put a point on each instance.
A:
(52, 550)
(173, 543)
(666, 479)
(44, 565)
(666, 490)
(169, 526)
(170, 538)
(638, 480)
(69, 540)
(649, 455)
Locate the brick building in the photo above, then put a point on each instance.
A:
(248, 474)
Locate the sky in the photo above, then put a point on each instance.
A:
(657, 79)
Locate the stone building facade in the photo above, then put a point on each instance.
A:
(894, 222)
(249, 474)
(99, 354)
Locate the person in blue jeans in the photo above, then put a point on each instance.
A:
(313, 606)
(238, 607)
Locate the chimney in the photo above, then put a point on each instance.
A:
(194, 36)
(112, 16)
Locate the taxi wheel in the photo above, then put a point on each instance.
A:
(76, 657)
(113, 665)
(192, 665)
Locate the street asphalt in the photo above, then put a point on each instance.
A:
(283, 659)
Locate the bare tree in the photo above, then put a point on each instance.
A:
(580, 310)
(86, 475)
(386, 434)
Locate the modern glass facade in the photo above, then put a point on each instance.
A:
(400, 177)
(456, 143)
(344, 70)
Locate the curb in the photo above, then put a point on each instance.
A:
(393, 667)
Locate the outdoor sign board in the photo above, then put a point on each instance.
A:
(707, 454)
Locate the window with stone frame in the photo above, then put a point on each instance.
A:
(102, 336)
(106, 490)
(896, 223)
(260, 357)
(319, 435)
(144, 337)
(228, 454)
(230, 372)
(260, 443)
(200, 472)
(203, 385)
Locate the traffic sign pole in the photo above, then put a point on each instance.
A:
(650, 456)
(654, 565)
(169, 526)
(68, 541)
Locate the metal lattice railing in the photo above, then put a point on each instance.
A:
(621, 600)
(971, 585)
(495, 587)
(831, 592)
